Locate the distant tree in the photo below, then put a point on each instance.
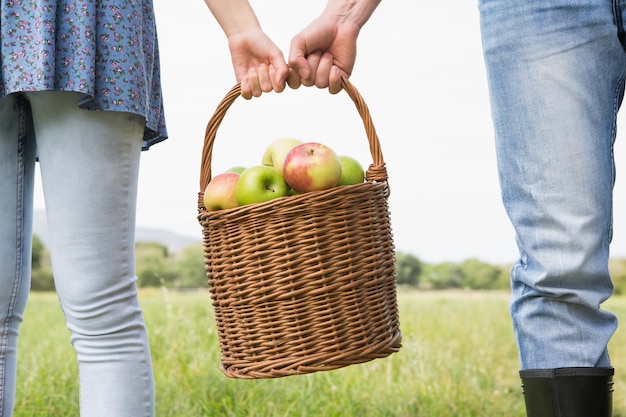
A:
(409, 268)
(442, 275)
(504, 280)
(38, 252)
(41, 274)
(153, 265)
(190, 267)
(478, 275)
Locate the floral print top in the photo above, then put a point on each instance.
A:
(105, 49)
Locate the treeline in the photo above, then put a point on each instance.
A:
(157, 267)
(473, 274)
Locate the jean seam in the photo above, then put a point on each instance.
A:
(19, 233)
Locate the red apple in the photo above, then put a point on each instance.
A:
(312, 166)
(221, 192)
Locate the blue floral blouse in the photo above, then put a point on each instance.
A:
(106, 49)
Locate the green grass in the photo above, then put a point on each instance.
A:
(458, 359)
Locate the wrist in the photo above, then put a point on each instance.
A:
(233, 16)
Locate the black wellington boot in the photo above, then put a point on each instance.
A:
(568, 392)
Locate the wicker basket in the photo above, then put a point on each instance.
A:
(303, 283)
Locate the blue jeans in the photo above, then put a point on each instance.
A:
(556, 76)
(89, 165)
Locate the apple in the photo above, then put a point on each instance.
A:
(237, 169)
(351, 171)
(312, 166)
(221, 192)
(259, 184)
(276, 152)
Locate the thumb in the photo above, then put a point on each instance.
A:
(297, 57)
(300, 66)
(298, 69)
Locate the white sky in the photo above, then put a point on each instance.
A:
(420, 70)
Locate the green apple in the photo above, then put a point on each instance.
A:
(276, 152)
(221, 192)
(237, 169)
(259, 184)
(351, 171)
(312, 166)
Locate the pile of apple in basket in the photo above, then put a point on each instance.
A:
(288, 167)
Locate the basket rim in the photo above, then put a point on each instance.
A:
(375, 172)
(291, 201)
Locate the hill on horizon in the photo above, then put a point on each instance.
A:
(172, 240)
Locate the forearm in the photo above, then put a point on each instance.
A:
(233, 16)
(356, 12)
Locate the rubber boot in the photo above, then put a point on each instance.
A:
(568, 392)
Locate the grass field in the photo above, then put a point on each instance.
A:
(458, 359)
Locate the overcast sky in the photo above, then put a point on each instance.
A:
(419, 69)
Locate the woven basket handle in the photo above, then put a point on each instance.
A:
(375, 172)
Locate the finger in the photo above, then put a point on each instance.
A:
(265, 81)
(253, 82)
(278, 84)
(334, 82)
(298, 68)
(280, 69)
(293, 79)
(313, 61)
(323, 70)
(246, 92)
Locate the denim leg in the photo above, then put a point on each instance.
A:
(17, 162)
(556, 76)
(89, 168)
